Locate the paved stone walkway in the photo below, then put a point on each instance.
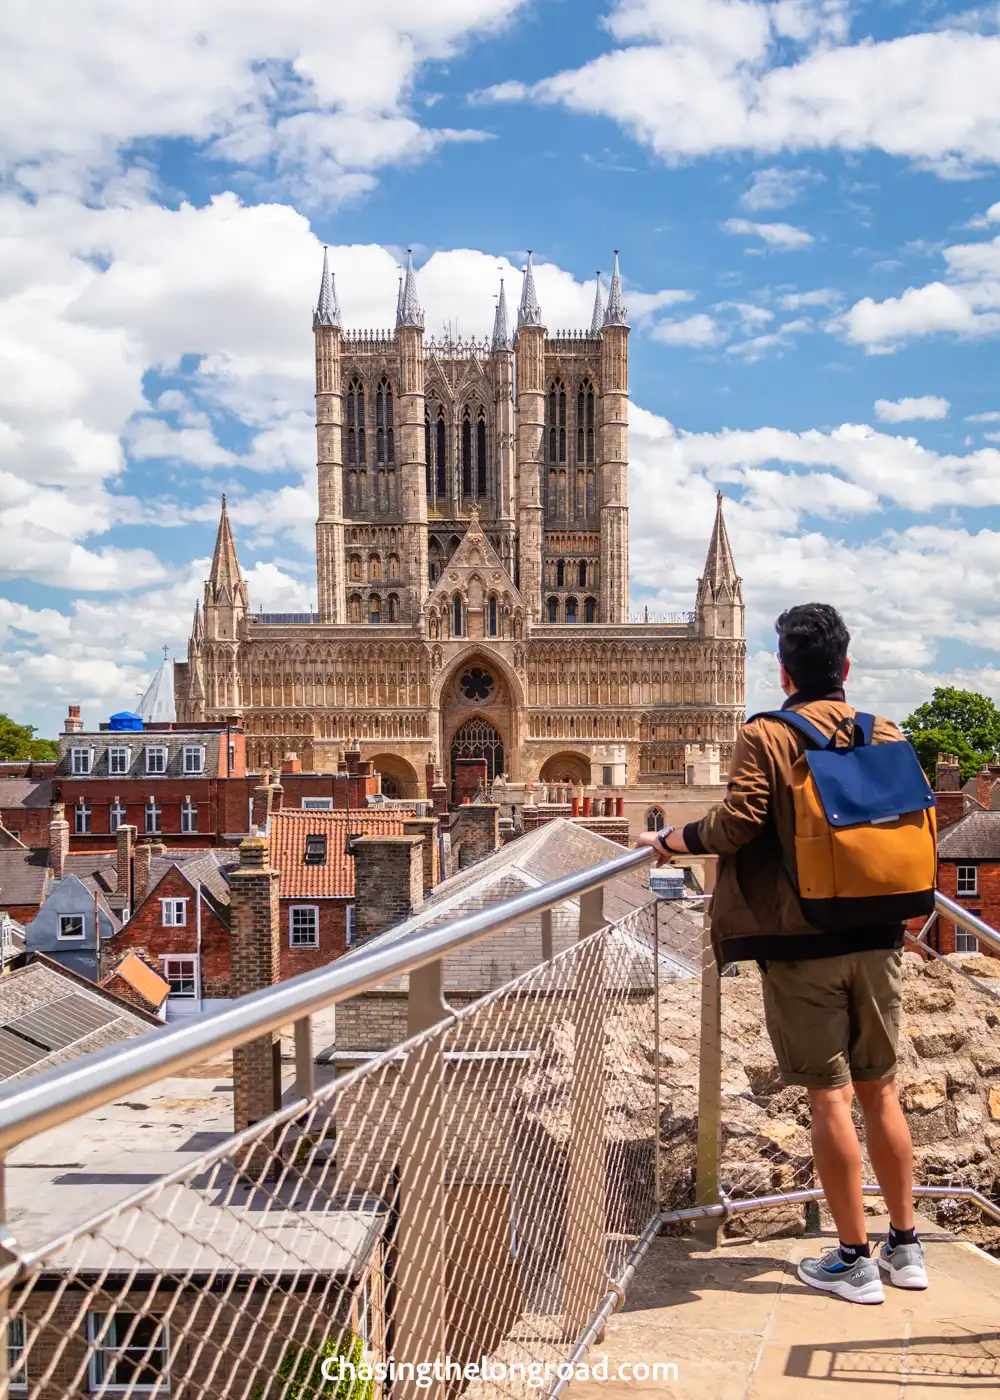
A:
(739, 1325)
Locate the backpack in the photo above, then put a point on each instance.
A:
(865, 827)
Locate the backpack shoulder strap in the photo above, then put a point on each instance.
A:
(864, 728)
(799, 722)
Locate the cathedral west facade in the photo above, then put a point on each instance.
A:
(472, 572)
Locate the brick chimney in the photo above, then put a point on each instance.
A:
(260, 805)
(478, 830)
(254, 955)
(126, 852)
(984, 787)
(73, 723)
(427, 828)
(947, 774)
(140, 871)
(439, 795)
(352, 757)
(291, 763)
(388, 881)
(277, 792)
(58, 840)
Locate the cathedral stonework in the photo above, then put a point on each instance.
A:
(472, 573)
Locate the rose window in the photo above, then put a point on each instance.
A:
(477, 684)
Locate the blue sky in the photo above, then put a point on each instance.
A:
(807, 202)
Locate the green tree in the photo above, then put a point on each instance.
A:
(961, 722)
(300, 1372)
(18, 741)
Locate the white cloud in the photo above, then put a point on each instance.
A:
(288, 89)
(929, 406)
(775, 188)
(820, 296)
(781, 236)
(698, 76)
(699, 332)
(992, 417)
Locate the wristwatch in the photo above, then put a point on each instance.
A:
(661, 839)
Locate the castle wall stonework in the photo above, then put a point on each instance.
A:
(472, 574)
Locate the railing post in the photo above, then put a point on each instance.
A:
(709, 1230)
(657, 1087)
(420, 1262)
(305, 1065)
(586, 1279)
(546, 935)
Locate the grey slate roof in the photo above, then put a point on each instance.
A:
(173, 740)
(976, 836)
(25, 792)
(22, 877)
(47, 1005)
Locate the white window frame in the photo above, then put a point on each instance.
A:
(317, 804)
(350, 925)
(99, 1364)
(117, 815)
(160, 749)
(72, 937)
(970, 891)
(81, 761)
(153, 809)
(114, 753)
(189, 816)
(966, 942)
(196, 752)
(17, 1334)
(191, 962)
(300, 942)
(81, 819)
(169, 907)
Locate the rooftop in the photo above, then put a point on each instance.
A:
(332, 878)
(976, 836)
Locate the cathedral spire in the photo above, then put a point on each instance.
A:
(597, 320)
(501, 335)
(327, 311)
(225, 573)
(529, 313)
(720, 568)
(617, 312)
(409, 311)
(196, 628)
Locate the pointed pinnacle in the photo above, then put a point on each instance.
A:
(529, 313)
(597, 320)
(617, 312)
(501, 335)
(327, 311)
(409, 312)
(720, 567)
(225, 570)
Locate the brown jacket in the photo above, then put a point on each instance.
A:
(755, 910)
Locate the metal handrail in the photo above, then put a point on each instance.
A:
(32, 1106)
(970, 922)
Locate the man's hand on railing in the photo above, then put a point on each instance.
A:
(666, 842)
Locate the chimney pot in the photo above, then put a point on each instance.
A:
(73, 721)
(58, 840)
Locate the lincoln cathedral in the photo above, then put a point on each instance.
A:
(472, 572)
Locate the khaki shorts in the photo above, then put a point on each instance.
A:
(834, 1020)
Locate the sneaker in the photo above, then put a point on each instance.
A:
(904, 1265)
(858, 1282)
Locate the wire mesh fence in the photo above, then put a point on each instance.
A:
(473, 1192)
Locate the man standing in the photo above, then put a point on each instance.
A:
(831, 997)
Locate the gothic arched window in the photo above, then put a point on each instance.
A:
(585, 421)
(582, 574)
(427, 451)
(393, 566)
(654, 819)
(590, 610)
(375, 609)
(354, 567)
(481, 454)
(553, 610)
(570, 609)
(591, 496)
(560, 573)
(440, 460)
(556, 415)
(393, 608)
(374, 566)
(466, 454)
(493, 617)
(457, 618)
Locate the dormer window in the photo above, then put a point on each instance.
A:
(194, 758)
(156, 760)
(81, 761)
(315, 848)
(119, 759)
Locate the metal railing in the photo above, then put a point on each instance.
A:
(480, 1178)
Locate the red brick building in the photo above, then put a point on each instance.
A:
(183, 784)
(25, 798)
(969, 873)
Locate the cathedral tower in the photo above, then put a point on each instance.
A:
(225, 614)
(720, 610)
(614, 456)
(330, 574)
(410, 338)
(530, 442)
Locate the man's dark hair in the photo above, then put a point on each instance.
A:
(812, 646)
